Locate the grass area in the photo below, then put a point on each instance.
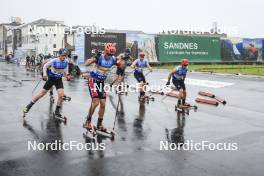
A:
(230, 69)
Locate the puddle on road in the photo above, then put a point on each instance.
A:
(9, 82)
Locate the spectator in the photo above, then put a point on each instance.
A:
(32, 60)
(27, 61)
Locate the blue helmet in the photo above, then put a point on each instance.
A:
(63, 51)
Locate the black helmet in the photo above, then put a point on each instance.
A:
(127, 50)
(127, 53)
(63, 51)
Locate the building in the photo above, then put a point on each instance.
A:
(39, 37)
(6, 37)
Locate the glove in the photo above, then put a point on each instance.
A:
(168, 83)
(68, 77)
(118, 63)
(44, 78)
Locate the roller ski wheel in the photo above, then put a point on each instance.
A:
(89, 137)
(185, 108)
(183, 111)
(105, 133)
(146, 99)
(141, 100)
(188, 106)
(52, 100)
(90, 134)
(195, 108)
(65, 98)
(149, 98)
(60, 118)
(121, 93)
(24, 114)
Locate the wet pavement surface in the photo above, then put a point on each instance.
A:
(136, 148)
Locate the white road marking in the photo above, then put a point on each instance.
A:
(205, 83)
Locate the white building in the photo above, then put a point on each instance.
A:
(6, 37)
(41, 37)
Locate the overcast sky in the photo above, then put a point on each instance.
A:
(243, 17)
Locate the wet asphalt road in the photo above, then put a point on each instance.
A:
(136, 149)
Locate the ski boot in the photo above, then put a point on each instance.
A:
(90, 131)
(185, 107)
(27, 108)
(145, 98)
(104, 132)
(60, 118)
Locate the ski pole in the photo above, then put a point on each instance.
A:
(116, 111)
(147, 73)
(164, 93)
(35, 87)
(89, 113)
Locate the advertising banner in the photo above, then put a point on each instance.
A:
(173, 48)
(232, 49)
(142, 42)
(98, 41)
(79, 47)
(252, 49)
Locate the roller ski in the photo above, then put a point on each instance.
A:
(90, 133)
(59, 118)
(104, 132)
(145, 98)
(185, 108)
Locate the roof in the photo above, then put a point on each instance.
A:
(42, 22)
(124, 31)
(74, 28)
(10, 24)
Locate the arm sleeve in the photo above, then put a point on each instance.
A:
(177, 70)
(134, 63)
(45, 67)
(147, 63)
(119, 56)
